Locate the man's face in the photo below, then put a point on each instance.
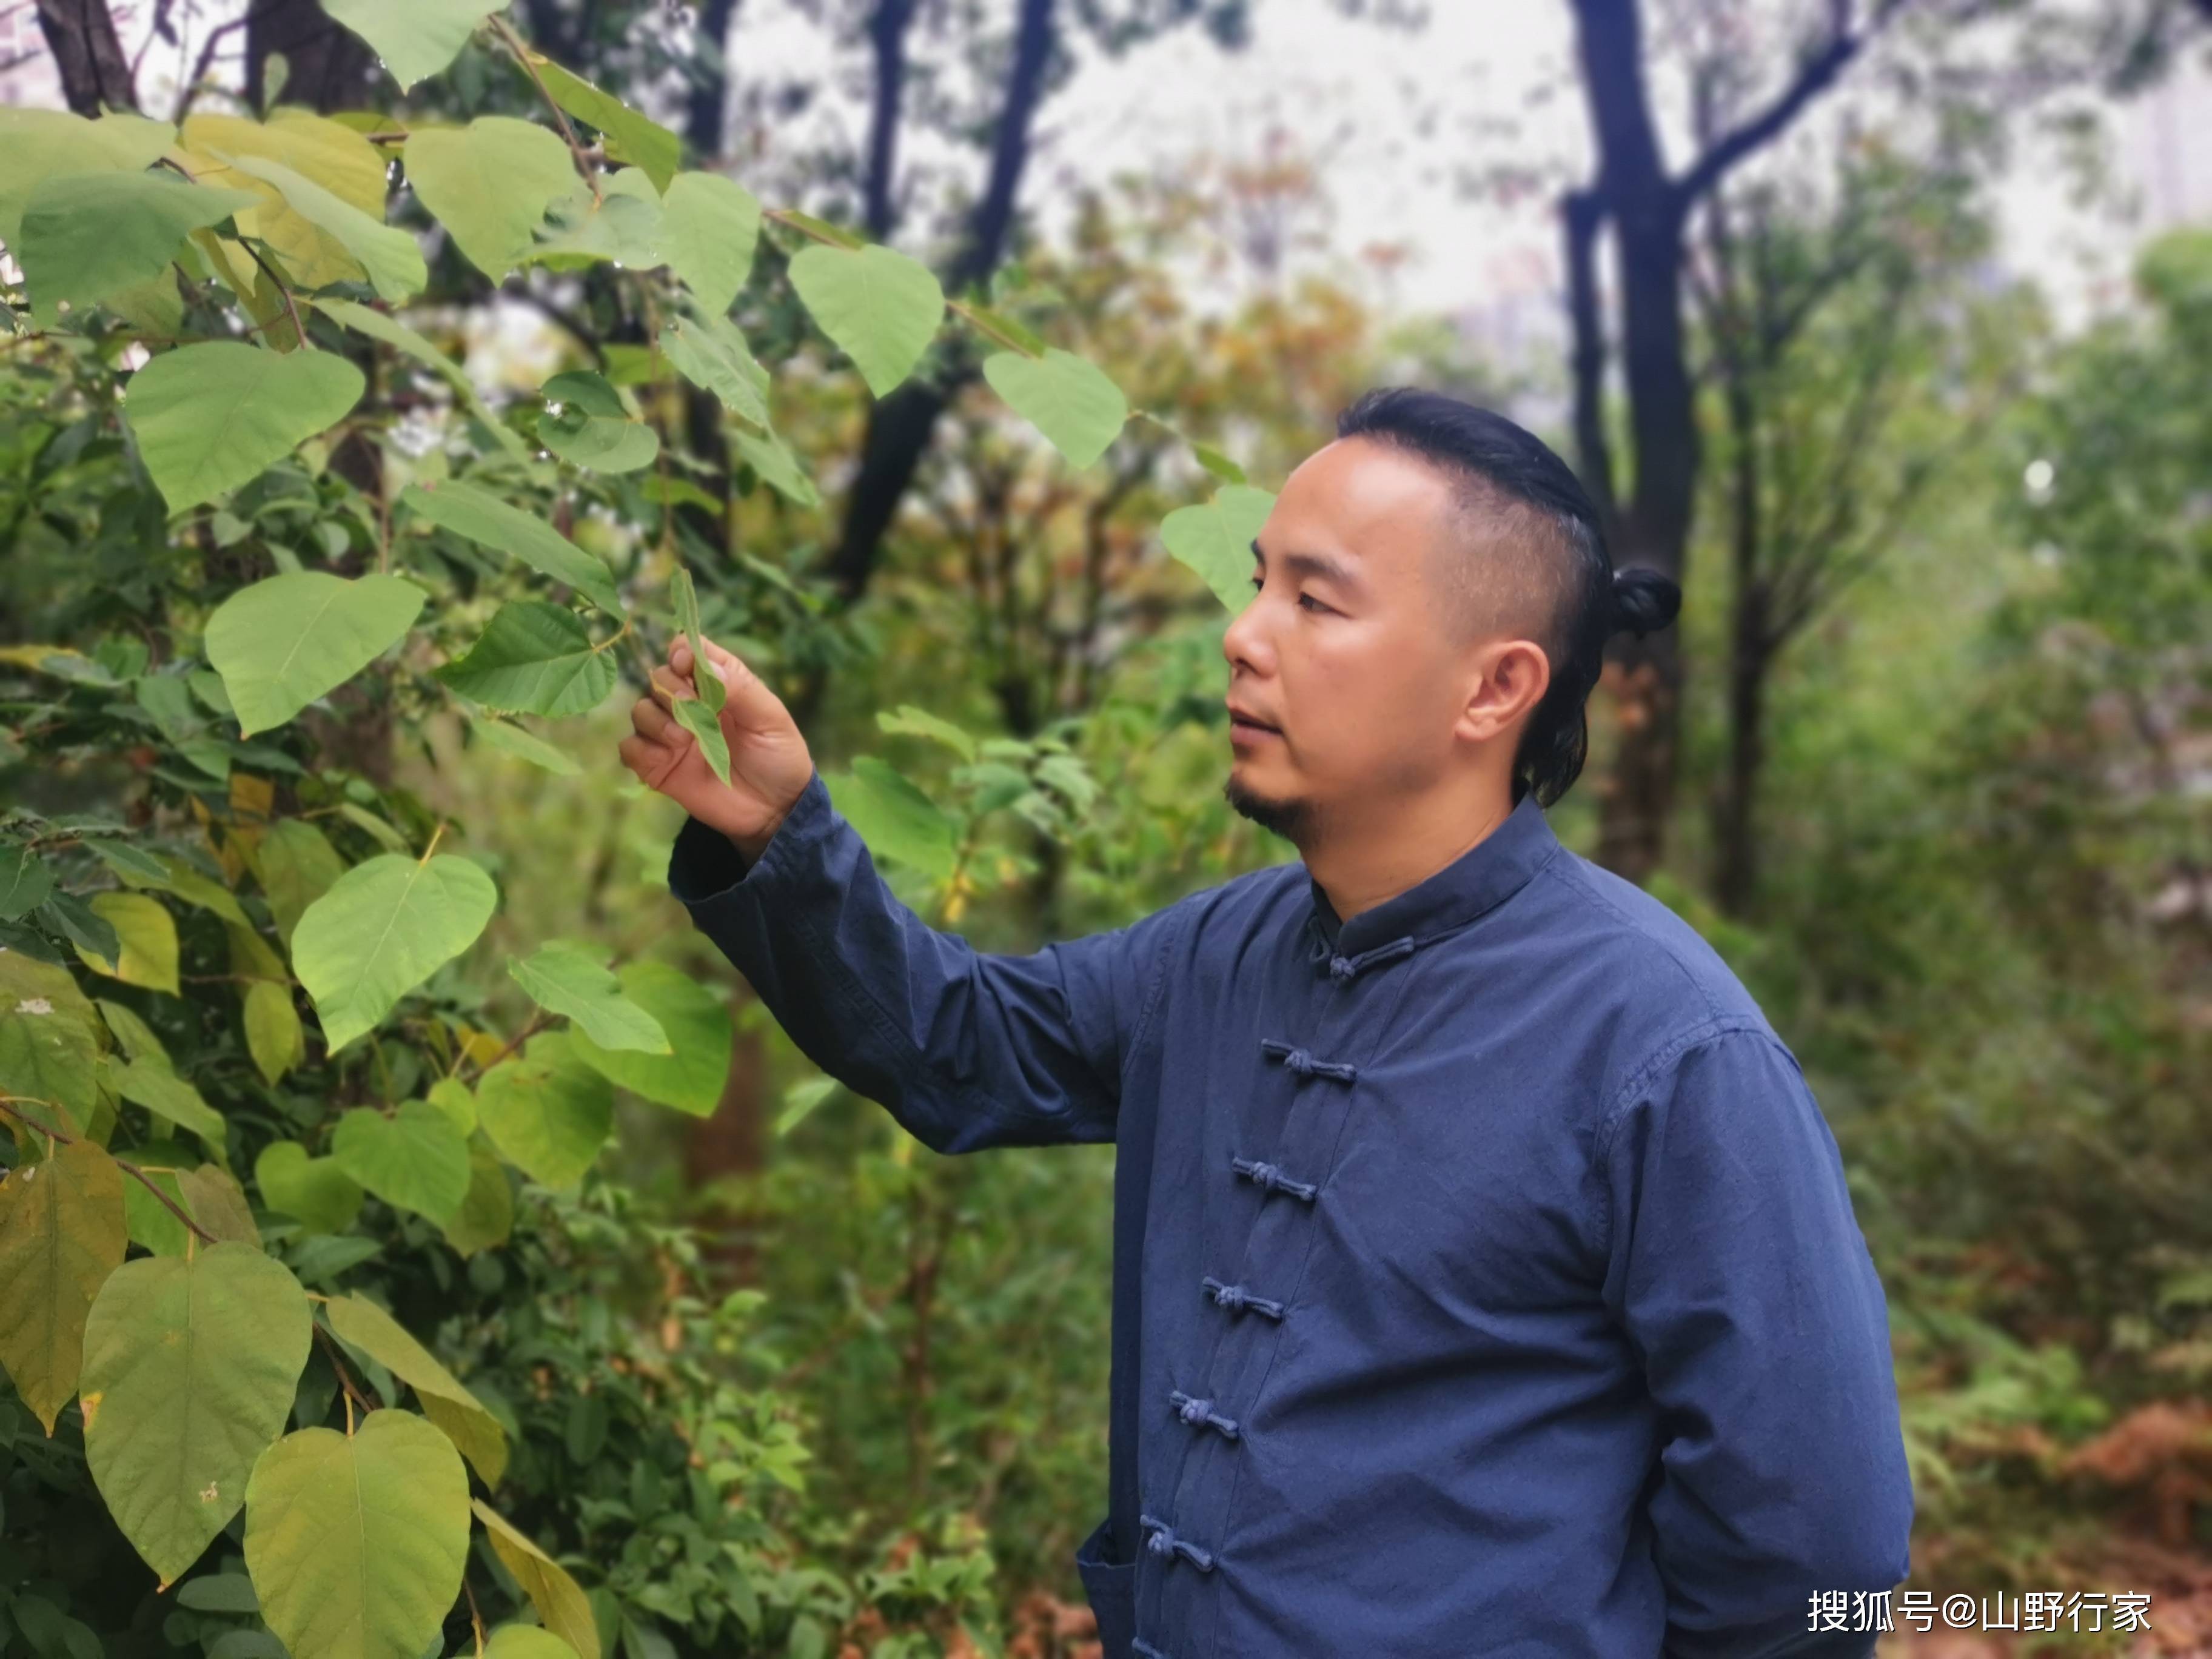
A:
(1347, 648)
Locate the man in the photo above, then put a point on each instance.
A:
(1485, 1281)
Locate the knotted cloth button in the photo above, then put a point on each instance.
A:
(1236, 1299)
(1195, 1411)
(1341, 969)
(1300, 1063)
(1271, 1178)
(1164, 1542)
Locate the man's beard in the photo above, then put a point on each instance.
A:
(1293, 820)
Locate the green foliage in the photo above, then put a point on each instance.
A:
(210, 417)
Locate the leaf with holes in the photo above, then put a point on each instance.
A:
(62, 1233)
(190, 1368)
(356, 1542)
(881, 307)
(1069, 398)
(534, 658)
(290, 638)
(210, 417)
(384, 928)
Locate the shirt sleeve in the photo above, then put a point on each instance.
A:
(965, 1049)
(1737, 1268)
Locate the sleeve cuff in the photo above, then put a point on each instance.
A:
(705, 864)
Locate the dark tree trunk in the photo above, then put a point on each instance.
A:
(1649, 210)
(94, 73)
(887, 30)
(327, 68)
(706, 108)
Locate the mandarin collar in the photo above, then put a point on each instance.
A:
(1486, 875)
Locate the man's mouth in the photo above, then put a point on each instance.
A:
(1243, 726)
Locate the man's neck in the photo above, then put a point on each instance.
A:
(1371, 860)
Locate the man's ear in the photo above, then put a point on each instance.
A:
(1512, 676)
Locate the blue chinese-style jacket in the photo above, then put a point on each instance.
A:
(1484, 1278)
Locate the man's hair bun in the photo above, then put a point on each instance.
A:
(1644, 600)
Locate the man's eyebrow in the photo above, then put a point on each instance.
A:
(1323, 565)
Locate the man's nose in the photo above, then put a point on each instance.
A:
(1244, 641)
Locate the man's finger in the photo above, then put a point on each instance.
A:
(651, 721)
(668, 686)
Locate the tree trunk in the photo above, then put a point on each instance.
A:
(1735, 817)
(706, 108)
(94, 73)
(327, 68)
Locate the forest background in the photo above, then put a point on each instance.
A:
(1929, 759)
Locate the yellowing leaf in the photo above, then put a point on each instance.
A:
(443, 1397)
(356, 1542)
(51, 1039)
(195, 1362)
(148, 935)
(61, 1234)
(560, 1600)
(324, 152)
(273, 1035)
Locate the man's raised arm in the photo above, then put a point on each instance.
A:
(965, 1049)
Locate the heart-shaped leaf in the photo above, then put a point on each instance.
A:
(356, 1542)
(190, 1368)
(1216, 539)
(881, 307)
(384, 928)
(546, 1110)
(413, 39)
(210, 417)
(489, 184)
(289, 639)
(697, 1024)
(414, 1159)
(314, 1191)
(565, 977)
(536, 658)
(1069, 398)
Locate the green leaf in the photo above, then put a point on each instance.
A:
(190, 1368)
(389, 256)
(356, 1542)
(83, 926)
(150, 1222)
(705, 725)
(448, 1403)
(524, 746)
(565, 977)
(713, 355)
(820, 229)
(87, 236)
(413, 1160)
(150, 1083)
(1069, 398)
(778, 468)
(147, 934)
(487, 1214)
(482, 517)
(546, 1111)
(40, 142)
(629, 136)
(24, 883)
(526, 1642)
(489, 184)
(384, 928)
(560, 1602)
(137, 1040)
(536, 658)
(881, 307)
(586, 425)
(50, 1038)
(295, 864)
(61, 1234)
(290, 638)
(894, 817)
(273, 1035)
(396, 334)
(454, 1098)
(1217, 463)
(314, 1191)
(413, 39)
(921, 723)
(1216, 539)
(697, 1025)
(705, 676)
(210, 417)
(219, 1592)
(709, 226)
(621, 223)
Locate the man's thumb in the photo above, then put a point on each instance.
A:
(747, 700)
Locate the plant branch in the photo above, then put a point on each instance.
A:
(513, 43)
(131, 1170)
(270, 271)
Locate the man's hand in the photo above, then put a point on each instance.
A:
(769, 764)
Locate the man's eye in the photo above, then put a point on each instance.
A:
(1317, 604)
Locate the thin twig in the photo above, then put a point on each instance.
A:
(345, 1377)
(513, 43)
(298, 327)
(131, 1170)
(531, 1028)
